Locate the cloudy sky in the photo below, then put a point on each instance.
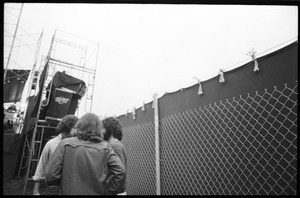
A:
(153, 48)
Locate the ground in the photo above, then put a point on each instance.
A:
(15, 187)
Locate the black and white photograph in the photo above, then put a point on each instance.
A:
(150, 98)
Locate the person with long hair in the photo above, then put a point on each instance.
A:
(80, 164)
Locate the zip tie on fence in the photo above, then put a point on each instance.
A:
(256, 69)
(133, 113)
(222, 79)
(252, 55)
(200, 91)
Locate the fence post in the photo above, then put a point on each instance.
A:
(157, 158)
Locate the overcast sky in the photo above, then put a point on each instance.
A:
(147, 49)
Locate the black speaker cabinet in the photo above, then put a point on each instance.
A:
(63, 103)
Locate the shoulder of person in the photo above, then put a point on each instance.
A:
(105, 144)
(117, 143)
(70, 140)
(74, 142)
(51, 141)
(54, 139)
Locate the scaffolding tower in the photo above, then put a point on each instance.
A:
(82, 68)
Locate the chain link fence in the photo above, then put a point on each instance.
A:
(242, 144)
(139, 143)
(246, 145)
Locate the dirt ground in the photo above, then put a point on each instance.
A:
(15, 187)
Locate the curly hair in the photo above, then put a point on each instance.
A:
(89, 128)
(66, 124)
(113, 127)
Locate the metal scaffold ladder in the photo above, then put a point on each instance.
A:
(33, 143)
(34, 152)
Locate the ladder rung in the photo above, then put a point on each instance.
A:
(23, 167)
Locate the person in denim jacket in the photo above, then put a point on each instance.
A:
(80, 164)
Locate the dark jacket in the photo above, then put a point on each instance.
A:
(81, 167)
(119, 149)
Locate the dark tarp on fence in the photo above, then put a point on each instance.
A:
(238, 138)
(276, 68)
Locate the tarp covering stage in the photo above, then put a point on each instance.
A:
(13, 143)
(60, 79)
(63, 80)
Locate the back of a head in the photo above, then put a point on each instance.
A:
(89, 128)
(113, 127)
(67, 123)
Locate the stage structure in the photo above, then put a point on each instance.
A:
(66, 86)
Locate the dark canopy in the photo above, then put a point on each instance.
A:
(62, 79)
(14, 84)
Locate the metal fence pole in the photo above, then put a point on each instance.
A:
(157, 159)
